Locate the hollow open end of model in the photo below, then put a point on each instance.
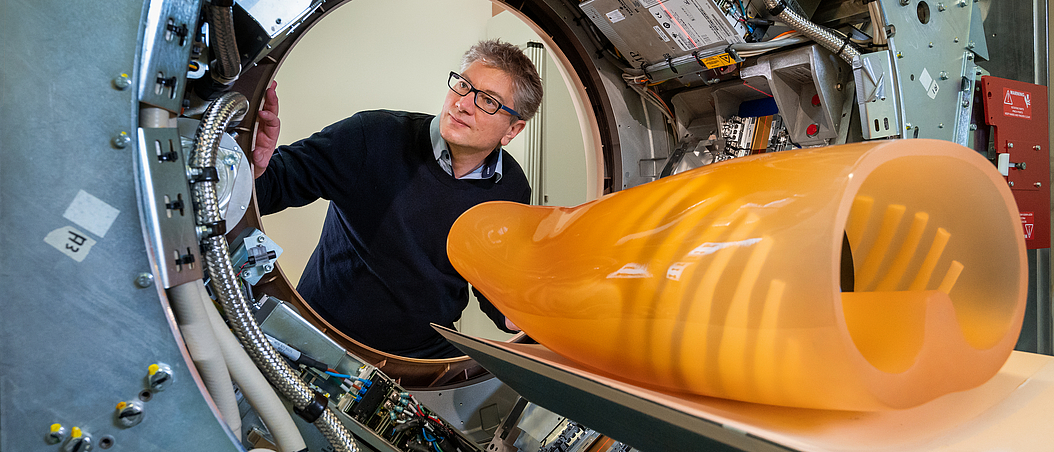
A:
(935, 268)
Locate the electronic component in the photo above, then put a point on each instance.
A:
(660, 30)
(371, 404)
(747, 136)
(255, 255)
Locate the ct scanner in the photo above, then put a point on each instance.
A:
(122, 191)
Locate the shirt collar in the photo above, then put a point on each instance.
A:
(491, 166)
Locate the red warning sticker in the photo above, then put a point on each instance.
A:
(1028, 220)
(1017, 104)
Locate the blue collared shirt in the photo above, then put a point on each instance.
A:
(491, 166)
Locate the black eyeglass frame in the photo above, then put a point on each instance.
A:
(475, 98)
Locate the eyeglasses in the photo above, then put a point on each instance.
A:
(484, 101)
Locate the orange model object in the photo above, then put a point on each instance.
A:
(725, 280)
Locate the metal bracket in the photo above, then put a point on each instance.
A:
(166, 200)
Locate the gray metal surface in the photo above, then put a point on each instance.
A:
(794, 77)
(880, 117)
(620, 415)
(476, 408)
(77, 337)
(934, 66)
(281, 321)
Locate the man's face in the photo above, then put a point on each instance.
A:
(465, 127)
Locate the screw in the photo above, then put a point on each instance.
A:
(121, 140)
(940, 7)
(129, 414)
(79, 441)
(904, 2)
(231, 159)
(122, 82)
(944, 75)
(900, 55)
(1037, 147)
(160, 375)
(907, 126)
(969, 56)
(962, 3)
(260, 239)
(940, 126)
(268, 268)
(1011, 183)
(966, 103)
(278, 21)
(973, 126)
(1038, 184)
(931, 45)
(56, 434)
(144, 280)
(1010, 145)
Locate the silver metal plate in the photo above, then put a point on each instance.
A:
(170, 26)
(168, 207)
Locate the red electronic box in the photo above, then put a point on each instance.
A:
(1018, 113)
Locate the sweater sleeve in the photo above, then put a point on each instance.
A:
(312, 168)
(495, 315)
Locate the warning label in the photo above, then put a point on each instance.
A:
(1028, 220)
(1017, 104)
(717, 61)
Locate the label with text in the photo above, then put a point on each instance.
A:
(1017, 104)
(71, 242)
(1028, 220)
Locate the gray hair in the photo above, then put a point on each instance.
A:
(526, 84)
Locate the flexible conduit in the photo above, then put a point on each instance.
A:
(254, 386)
(201, 342)
(224, 281)
(228, 65)
(823, 36)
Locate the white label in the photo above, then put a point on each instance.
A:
(661, 34)
(615, 16)
(691, 23)
(929, 83)
(91, 213)
(70, 242)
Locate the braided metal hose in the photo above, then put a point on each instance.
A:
(823, 36)
(224, 280)
(227, 64)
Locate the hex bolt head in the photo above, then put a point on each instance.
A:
(144, 280)
(121, 140)
(122, 82)
(904, 2)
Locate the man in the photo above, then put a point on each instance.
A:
(396, 182)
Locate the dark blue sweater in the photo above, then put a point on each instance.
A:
(380, 272)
